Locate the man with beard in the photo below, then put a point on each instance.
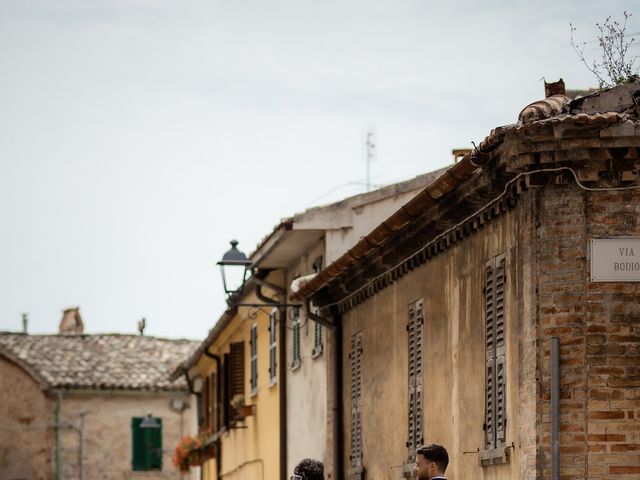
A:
(431, 462)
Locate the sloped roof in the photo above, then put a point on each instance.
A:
(98, 362)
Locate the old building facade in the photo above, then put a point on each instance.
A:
(284, 369)
(477, 316)
(71, 405)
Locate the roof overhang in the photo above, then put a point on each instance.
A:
(284, 246)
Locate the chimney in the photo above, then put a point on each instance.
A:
(71, 323)
(458, 153)
(25, 323)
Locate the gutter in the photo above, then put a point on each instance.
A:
(218, 442)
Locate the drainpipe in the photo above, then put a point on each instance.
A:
(335, 327)
(555, 408)
(282, 360)
(57, 425)
(216, 359)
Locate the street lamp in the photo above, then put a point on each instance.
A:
(236, 266)
(149, 422)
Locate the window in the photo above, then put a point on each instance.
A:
(254, 358)
(146, 446)
(415, 333)
(295, 348)
(233, 368)
(317, 339)
(355, 366)
(273, 335)
(495, 379)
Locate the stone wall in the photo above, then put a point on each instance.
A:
(26, 426)
(106, 430)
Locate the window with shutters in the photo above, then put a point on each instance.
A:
(212, 424)
(146, 446)
(318, 340)
(296, 357)
(203, 402)
(356, 470)
(495, 375)
(273, 335)
(415, 336)
(236, 376)
(254, 358)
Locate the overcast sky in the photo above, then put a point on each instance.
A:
(137, 137)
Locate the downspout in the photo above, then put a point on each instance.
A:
(282, 360)
(58, 440)
(216, 359)
(185, 371)
(335, 327)
(555, 408)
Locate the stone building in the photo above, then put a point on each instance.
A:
(71, 404)
(498, 312)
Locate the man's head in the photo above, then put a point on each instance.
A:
(431, 461)
(309, 469)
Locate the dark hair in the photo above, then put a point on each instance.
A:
(435, 453)
(310, 469)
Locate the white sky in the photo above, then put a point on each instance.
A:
(137, 137)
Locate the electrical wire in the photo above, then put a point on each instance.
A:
(481, 209)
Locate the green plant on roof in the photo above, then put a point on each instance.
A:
(617, 64)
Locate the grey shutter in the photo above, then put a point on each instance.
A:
(254, 358)
(355, 366)
(415, 338)
(296, 338)
(495, 387)
(500, 375)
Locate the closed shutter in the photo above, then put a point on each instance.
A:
(236, 352)
(318, 340)
(211, 425)
(415, 335)
(355, 366)
(273, 362)
(296, 355)
(254, 358)
(206, 404)
(146, 446)
(226, 390)
(495, 386)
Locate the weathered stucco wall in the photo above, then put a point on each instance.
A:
(107, 445)
(306, 383)
(26, 426)
(250, 451)
(451, 285)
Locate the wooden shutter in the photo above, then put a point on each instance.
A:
(500, 375)
(206, 403)
(297, 357)
(236, 353)
(212, 424)
(415, 338)
(273, 361)
(495, 386)
(146, 446)
(226, 389)
(355, 366)
(254, 358)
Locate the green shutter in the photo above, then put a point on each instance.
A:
(146, 445)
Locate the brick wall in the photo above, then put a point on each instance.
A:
(598, 325)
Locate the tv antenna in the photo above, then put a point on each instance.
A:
(370, 153)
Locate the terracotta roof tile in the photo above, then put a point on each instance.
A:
(98, 362)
